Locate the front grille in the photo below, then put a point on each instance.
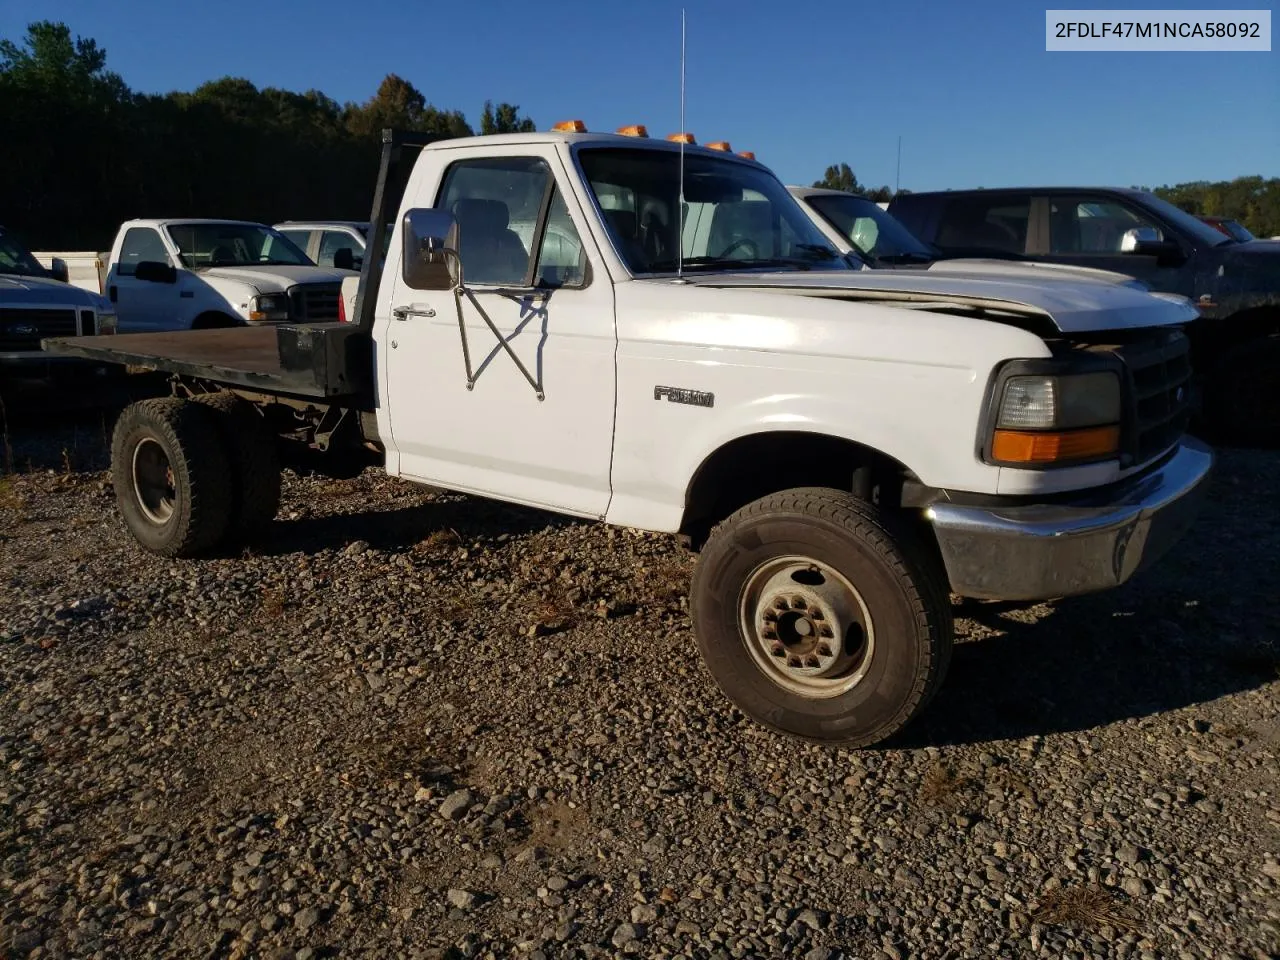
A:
(23, 328)
(315, 302)
(1160, 391)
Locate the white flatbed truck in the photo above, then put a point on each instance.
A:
(652, 334)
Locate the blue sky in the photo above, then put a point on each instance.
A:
(968, 86)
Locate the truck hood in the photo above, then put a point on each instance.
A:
(1254, 249)
(44, 292)
(1071, 303)
(274, 278)
(1029, 270)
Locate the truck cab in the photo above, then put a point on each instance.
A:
(329, 243)
(200, 274)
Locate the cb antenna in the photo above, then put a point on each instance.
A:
(680, 203)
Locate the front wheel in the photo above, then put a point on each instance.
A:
(817, 619)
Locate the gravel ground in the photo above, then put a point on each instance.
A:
(416, 724)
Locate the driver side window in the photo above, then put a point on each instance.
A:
(1088, 226)
(140, 244)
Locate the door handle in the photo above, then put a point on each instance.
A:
(412, 310)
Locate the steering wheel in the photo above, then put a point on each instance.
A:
(741, 242)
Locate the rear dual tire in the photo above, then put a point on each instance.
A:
(193, 476)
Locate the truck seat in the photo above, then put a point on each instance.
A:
(491, 252)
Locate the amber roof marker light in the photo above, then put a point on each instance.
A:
(570, 126)
(635, 130)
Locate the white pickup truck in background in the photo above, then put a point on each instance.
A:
(846, 448)
(199, 274)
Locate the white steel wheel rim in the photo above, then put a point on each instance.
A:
(153, 486)
(807, 627)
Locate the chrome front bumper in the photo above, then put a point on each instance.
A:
(1089, 543)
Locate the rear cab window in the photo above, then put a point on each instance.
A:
(998, 222)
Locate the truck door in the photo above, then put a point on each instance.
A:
(531, 269)
(1089, 231)
(142, 305)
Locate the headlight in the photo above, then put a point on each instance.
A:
(106, 324)
(1051, 419)
(269, 306)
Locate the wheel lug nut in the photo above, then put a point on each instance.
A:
(824, 651)
(816, 614)
(778, 650)
(811, 661)
(793, 662)
(799, 603)
(825, 632)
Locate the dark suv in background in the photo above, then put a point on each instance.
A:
(1235, 285)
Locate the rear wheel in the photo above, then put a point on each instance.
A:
(255, 463)
(171, 476)
(820, 619)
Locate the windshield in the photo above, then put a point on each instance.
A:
(871, 230)
(1236, 230)
(735, 216)
(15, 258)
(1200, 231)
(233, 245)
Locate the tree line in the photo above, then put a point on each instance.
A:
(84, 152)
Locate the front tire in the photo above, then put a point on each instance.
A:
(171, 475)
(818, 619)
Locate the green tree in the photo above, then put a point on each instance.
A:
(840, 177)
(504, 118)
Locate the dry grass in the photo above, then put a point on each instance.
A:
(1088, 907)
(941, 787)
(272, 603)
(437, 541)
(10, 499)
(556, 610)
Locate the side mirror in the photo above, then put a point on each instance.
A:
(344, 259)
(58, 269)
(153, 271)
(430, 250)
(1147, 242)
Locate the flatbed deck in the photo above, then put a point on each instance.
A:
(307, 362)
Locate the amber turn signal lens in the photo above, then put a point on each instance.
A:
(570, 126)
(1017, 446)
